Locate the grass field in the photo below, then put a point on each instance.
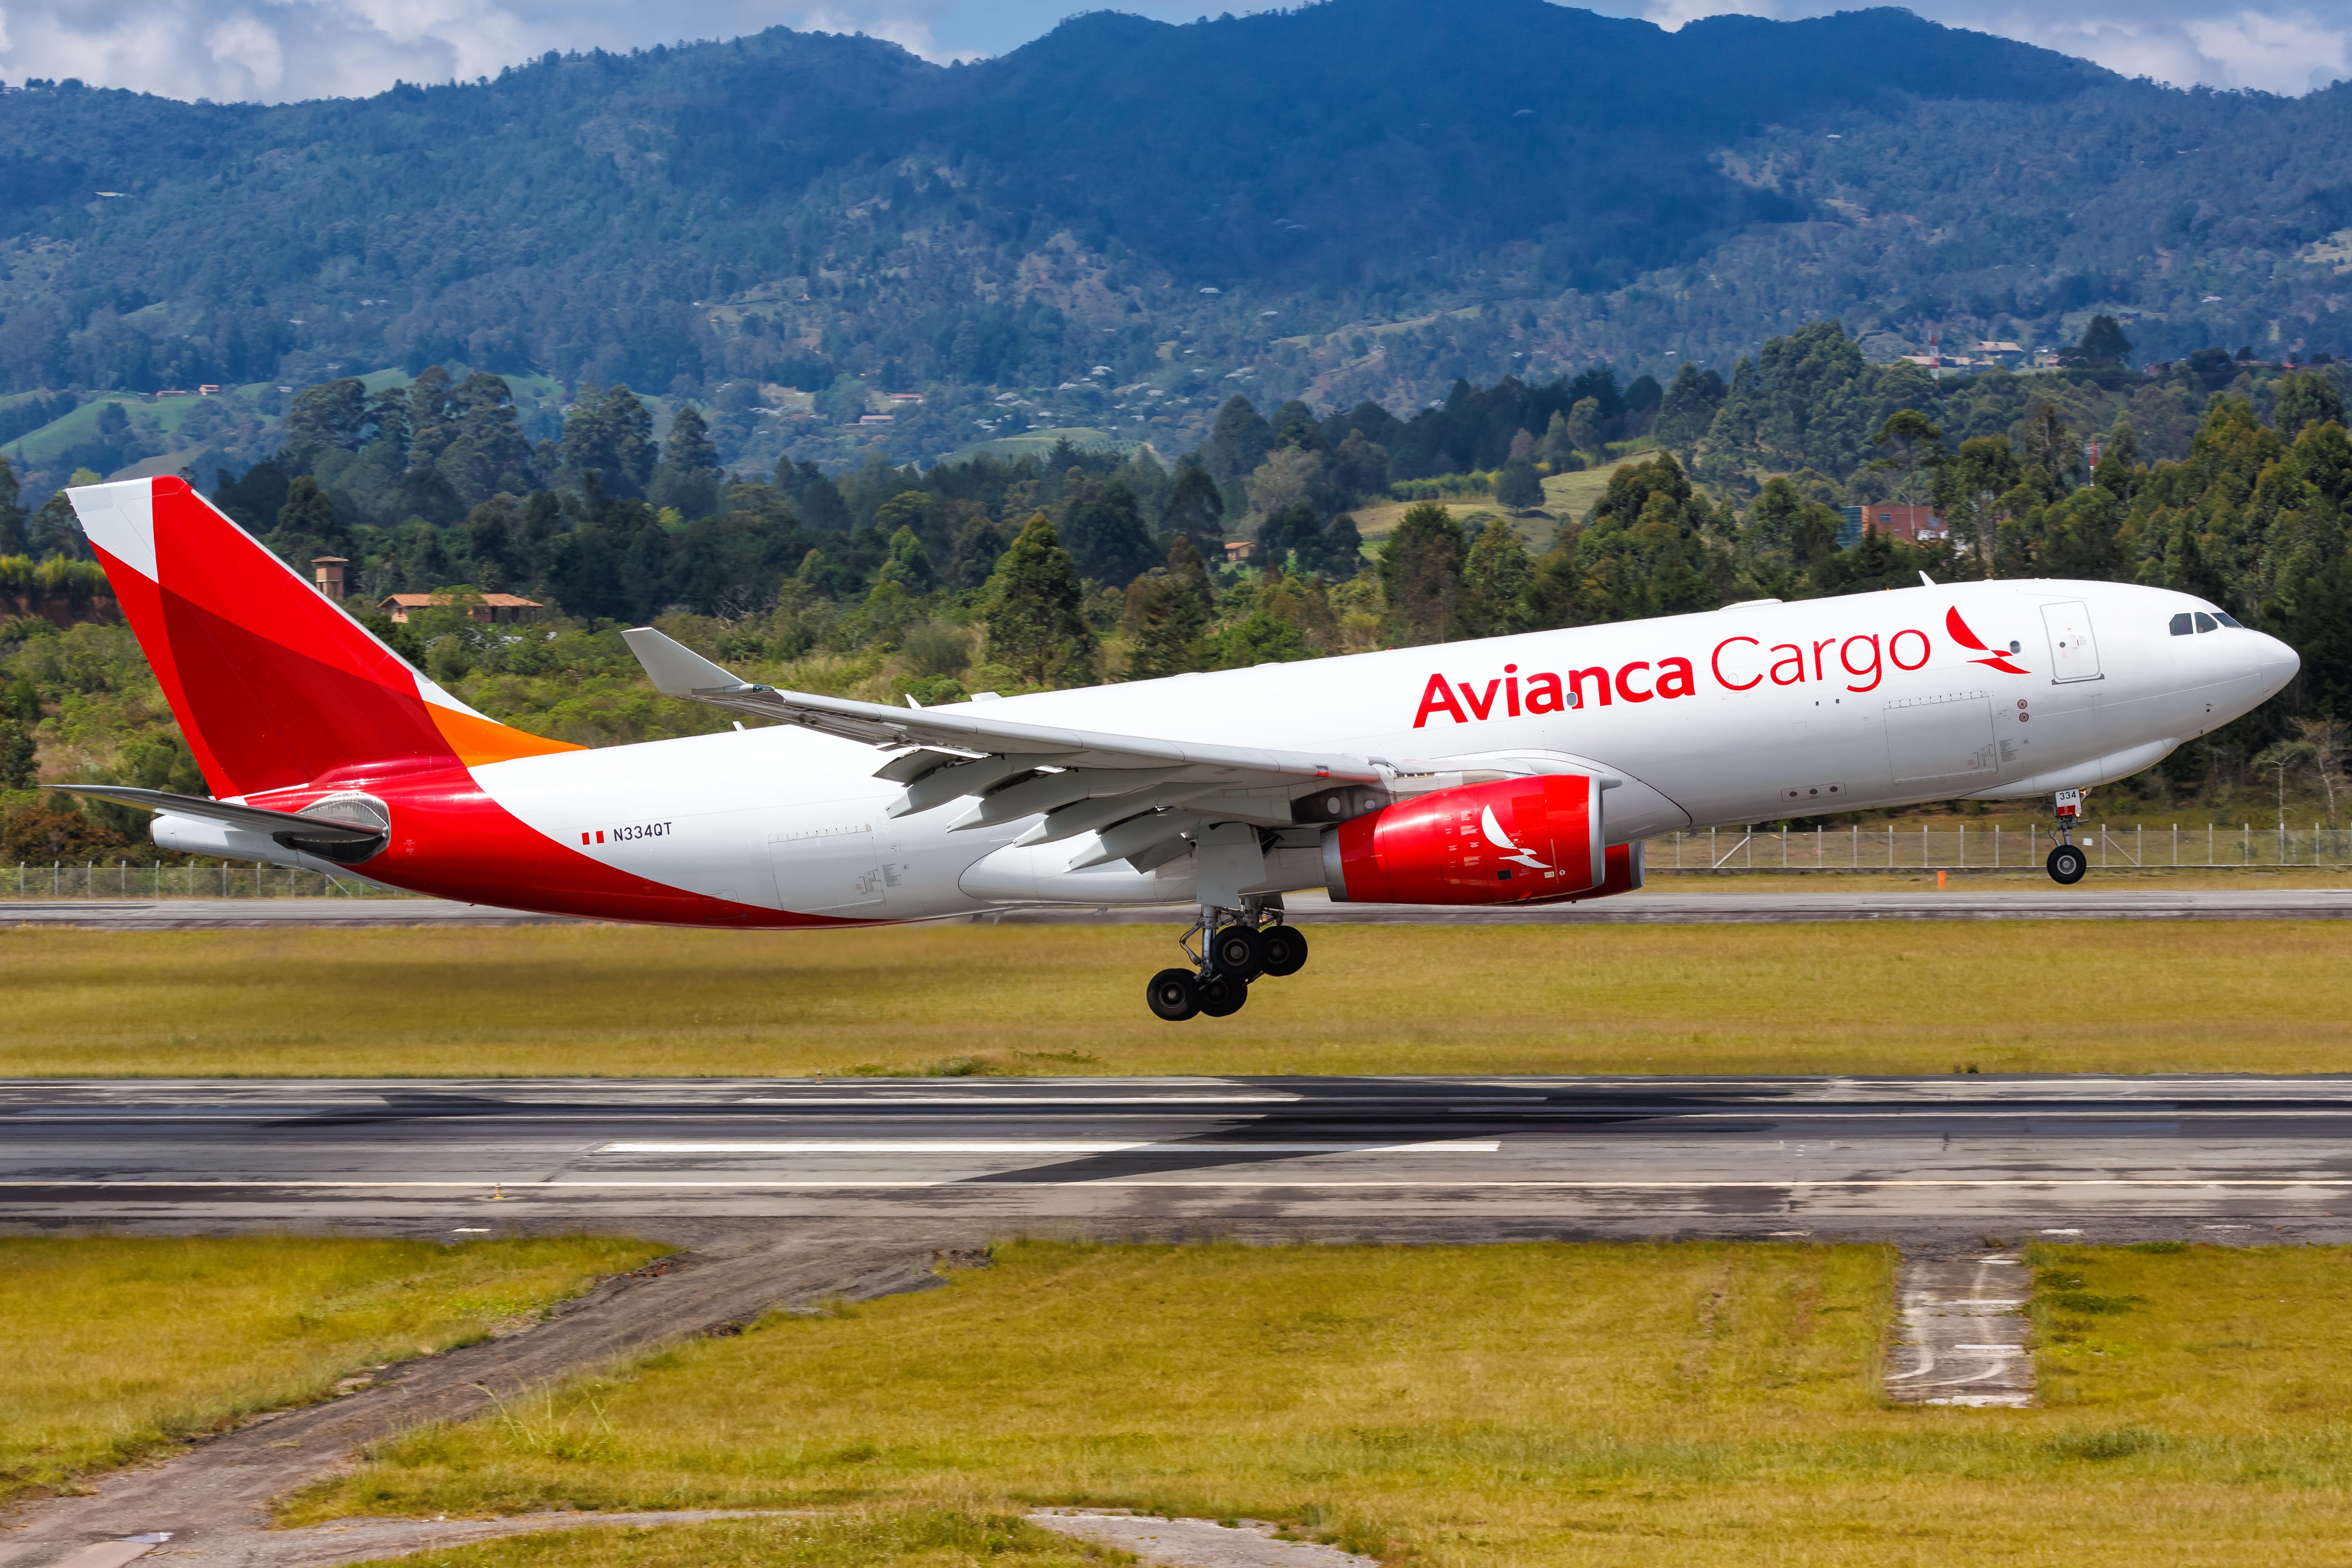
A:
(1839, 998)
(854, 1538)
(1531, 1404)
(115, 1347)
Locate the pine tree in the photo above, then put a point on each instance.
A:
(690, 473)
(1494, 578)
(1421, 571)
(14, 541)
(1034, 624)
(1196, 508)
(1518, 486)
(1168, 615)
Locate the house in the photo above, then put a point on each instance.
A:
(1238, 551)
(499, 608)
(1918, 524)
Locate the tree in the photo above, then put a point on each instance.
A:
(1358, 467)
(689, 476)
(2305, 397)
(1288, 477)
(1034, 626)
(1342, 554)
(14, 541)
(1916, 442)
(2051, 446)
(1167, 615)
(1969, 491)
(1238, 441)
(609, 435)
(16, 757)
(1518, 486)
(1555, 448)
(1494, 578)
(1196, 508)
(977, 550)
(2103, 343)
(54, 529)
(324, 417)
(1421, 573)
(1584, 425)
(1107, 536)
(1689, 408)
(1293, 528)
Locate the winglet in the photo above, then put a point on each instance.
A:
(677, 670)
(1926, 579)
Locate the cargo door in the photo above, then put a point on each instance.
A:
(828, 867)
(2074, 649)
(1932, 740)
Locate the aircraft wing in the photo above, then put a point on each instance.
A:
(1086, 779)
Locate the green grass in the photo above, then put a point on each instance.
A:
(1864, 998)
(115, 1347)
(897, 1538)
(1651, 1404)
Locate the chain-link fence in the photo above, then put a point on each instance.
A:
(1893, 847)
(91, 880)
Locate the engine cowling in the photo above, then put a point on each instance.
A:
(1506, 842)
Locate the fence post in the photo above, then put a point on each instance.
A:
(1996, 846)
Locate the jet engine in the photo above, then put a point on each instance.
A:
(1509, 841)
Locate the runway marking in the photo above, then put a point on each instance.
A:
(879, 1099)
(1026, 1146)
(2231, 1183)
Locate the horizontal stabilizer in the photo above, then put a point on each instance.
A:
(311, 827)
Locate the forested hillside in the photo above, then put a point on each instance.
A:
(2228, 480)
(1116, 227)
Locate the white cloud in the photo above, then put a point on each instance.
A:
(2282, 48)
(276, 50)
(272, 50)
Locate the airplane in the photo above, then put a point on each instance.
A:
(1514, 770)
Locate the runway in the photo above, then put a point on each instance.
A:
(2213, 1157)
(1658, 905)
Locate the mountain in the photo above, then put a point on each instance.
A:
(1362, 198)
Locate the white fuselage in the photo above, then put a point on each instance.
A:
(1754, 712)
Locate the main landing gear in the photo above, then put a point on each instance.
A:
(1236, 947)
(2067, 863)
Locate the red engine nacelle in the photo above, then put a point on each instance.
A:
(1508, 842)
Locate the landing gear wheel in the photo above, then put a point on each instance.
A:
(2067, 864)
(1174, 994)
(1284, 948)
(1221, 995)
(1238, 951)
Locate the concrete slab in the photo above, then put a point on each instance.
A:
(1961, 1333)
(1194, 1542)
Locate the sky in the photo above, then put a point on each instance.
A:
(271, 50)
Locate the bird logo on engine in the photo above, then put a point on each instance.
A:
(1502, 841)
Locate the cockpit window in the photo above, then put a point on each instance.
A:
(2180, 627)
(2205, 623)
(2227, 621)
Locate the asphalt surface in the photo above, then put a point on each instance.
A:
(2214, 1157)
(1651, 906)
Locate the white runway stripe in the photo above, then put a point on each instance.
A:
(1035, 1146)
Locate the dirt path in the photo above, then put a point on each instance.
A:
(213, 1498)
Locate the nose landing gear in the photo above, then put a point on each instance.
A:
(2067, 863)
(1238, 947)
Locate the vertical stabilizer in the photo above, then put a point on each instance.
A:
(273, 683)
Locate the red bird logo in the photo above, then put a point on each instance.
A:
(1959, 628)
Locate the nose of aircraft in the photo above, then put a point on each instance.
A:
(2279, 661)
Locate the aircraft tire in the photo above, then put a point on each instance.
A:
(1239, 951)
(1284, 948)
(1173, 995)
(1221, 995)
(2067, 864)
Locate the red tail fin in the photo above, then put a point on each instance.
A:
(273, 685)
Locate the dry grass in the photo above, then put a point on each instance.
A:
(2254, 996)
(1535, 1404)
(899, 1538)
(115, 1347)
